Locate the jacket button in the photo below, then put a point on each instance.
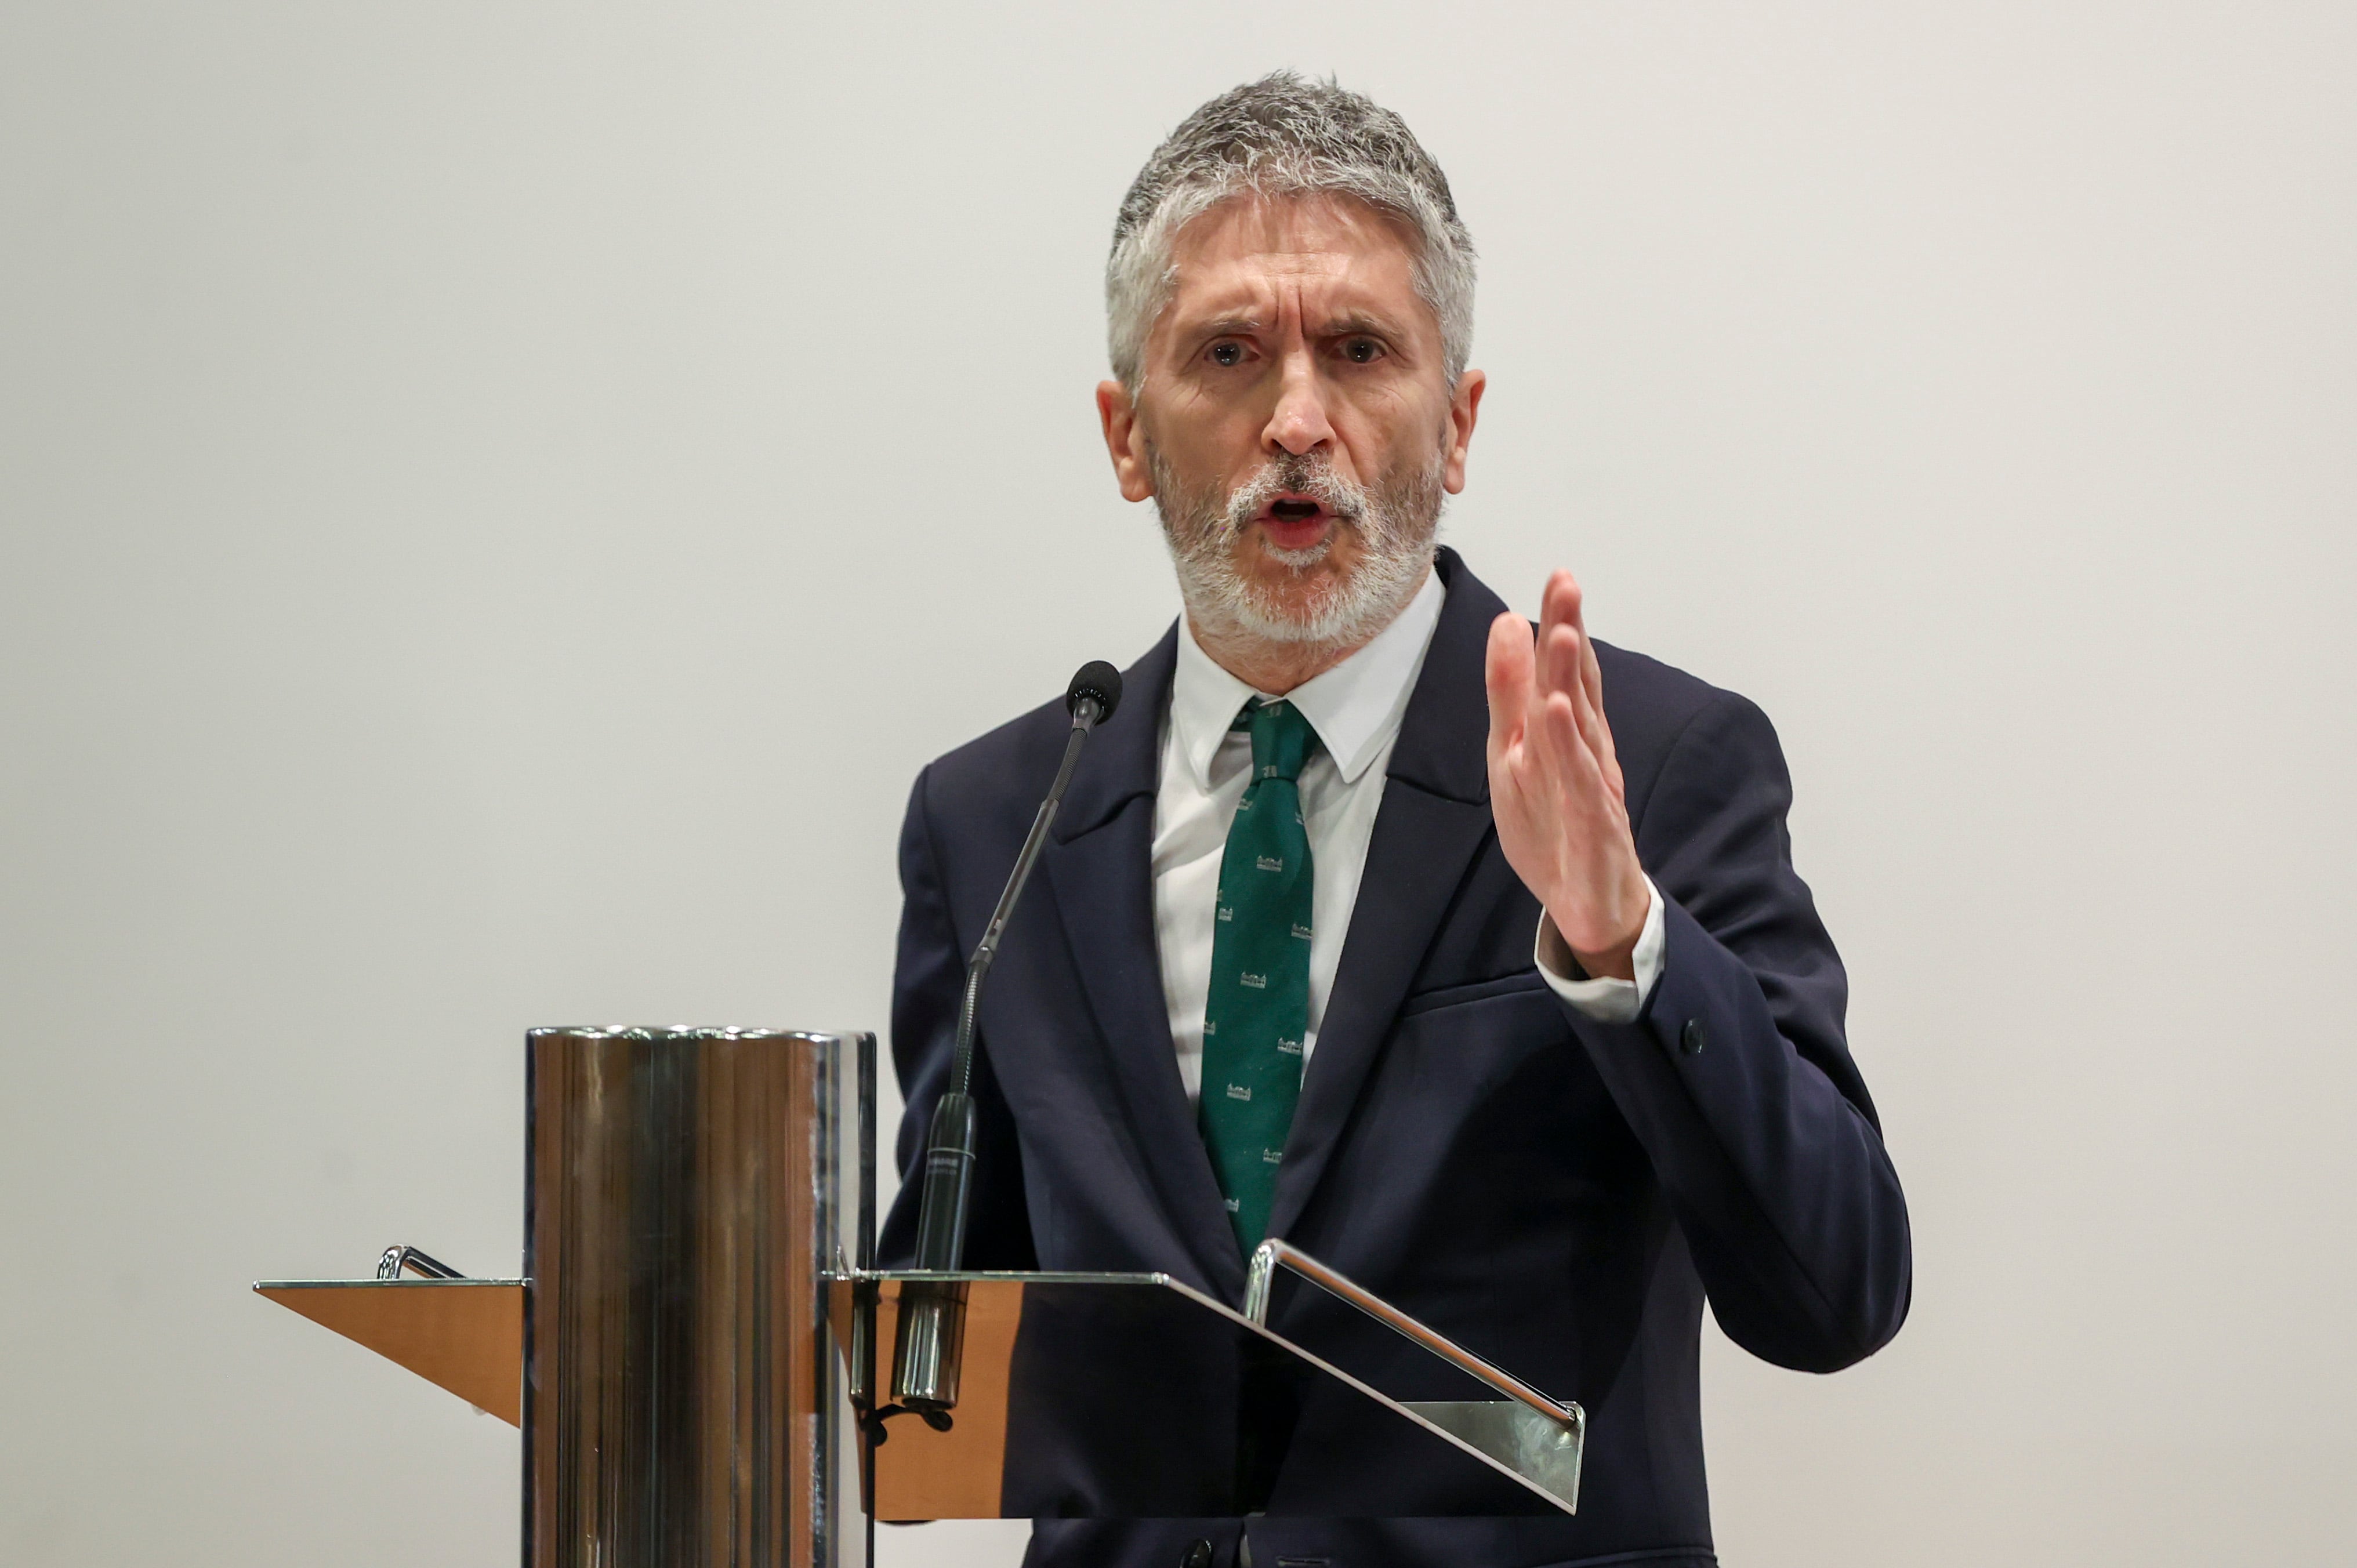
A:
(1196, 1556)
(1693, 1038)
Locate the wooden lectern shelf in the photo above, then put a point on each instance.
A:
(465, 1335)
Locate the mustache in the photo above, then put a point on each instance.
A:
(1299, 474)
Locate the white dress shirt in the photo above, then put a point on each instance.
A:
(1356, 708)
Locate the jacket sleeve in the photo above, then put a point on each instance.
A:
(1735, 1075)
(928, 979)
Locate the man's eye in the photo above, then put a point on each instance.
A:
(1363, 350)
(1227, 353)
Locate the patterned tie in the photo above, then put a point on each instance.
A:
(1258, 1010)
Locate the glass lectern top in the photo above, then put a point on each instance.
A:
(1137, 1396)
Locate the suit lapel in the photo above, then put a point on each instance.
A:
(1100, 864)
(1434, 818)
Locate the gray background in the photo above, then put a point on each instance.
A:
(497, 500)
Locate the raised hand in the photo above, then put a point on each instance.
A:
(1555, 783)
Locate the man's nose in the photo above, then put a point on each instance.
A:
(1300, 423)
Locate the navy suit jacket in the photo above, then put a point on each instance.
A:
(1559, 1195)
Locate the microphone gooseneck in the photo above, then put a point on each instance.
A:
(1094, 692)
(932, 1319)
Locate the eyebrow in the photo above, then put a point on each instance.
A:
(1227, 327)
(1351, 322)
(1344, 325)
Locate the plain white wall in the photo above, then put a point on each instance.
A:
(497, 500)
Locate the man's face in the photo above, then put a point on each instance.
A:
(1295, 425)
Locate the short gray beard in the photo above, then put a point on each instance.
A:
(1397, 521)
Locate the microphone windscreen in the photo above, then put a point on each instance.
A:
(1098, 680)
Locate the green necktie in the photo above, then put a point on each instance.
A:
(1258, 1010)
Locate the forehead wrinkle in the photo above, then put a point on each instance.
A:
(1253, 273)
(1301, 263)
(1337, 302)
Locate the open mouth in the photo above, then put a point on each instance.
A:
(1295, 522)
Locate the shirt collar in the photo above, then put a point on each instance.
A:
(1355, 707)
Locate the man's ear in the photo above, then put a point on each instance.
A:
(1464, 408)
(1124, 442)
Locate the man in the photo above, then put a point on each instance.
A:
(1514, 1011)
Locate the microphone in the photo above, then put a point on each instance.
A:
(932, 1326)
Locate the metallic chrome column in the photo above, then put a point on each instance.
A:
(686, 1192)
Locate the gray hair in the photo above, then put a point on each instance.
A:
(1284, 136)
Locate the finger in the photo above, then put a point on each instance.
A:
(1586, 677)
(1591, 674)
(1571, 767)
(1506, 672)
(1596, 737)
(1592, 708)
(1563, 664)
(1559, 605)
(1570, 658)
(1592, 721)
(1552, 602)
(1559, 656)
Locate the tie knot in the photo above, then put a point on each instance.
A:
(1281, 739)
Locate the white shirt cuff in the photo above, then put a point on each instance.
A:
(1608, 1001)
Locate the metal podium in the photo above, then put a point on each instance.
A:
(692, 1350)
